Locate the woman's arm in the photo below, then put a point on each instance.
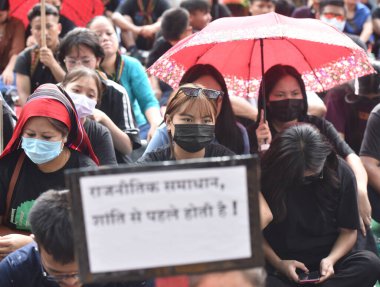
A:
(266, 215)
(343, 244)
(121, 140)
(285, 267)
(361, 181)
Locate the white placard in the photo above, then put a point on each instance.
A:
(145, 220)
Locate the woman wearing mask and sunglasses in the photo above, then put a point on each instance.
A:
(190, 120)
(48, 139)
(228, 131)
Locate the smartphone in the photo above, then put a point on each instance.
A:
(310, 277)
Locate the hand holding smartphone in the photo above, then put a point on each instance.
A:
(311, 277)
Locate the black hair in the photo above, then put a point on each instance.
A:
(195, 5)
(294, 151)
(174, 22)
(227, 131)
(370, 84)
(284, 7)
(4, 5)
(271, 78)
(80, 37)
(324, 3)
(36, 11)
(51, 224)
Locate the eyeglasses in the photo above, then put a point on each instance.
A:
(58, 278)
(73, 62)
(195, 92)
(339, 17)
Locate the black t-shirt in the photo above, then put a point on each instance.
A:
(101, 142)
(304, 234)
(28, 64)
(371, 140)
(325, 128)
(31, 182)
(164, 153)
(140, 18)
(220, 11)
(160, 47)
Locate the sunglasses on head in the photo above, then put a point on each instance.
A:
(195, 92)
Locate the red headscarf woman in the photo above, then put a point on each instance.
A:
(51, 136)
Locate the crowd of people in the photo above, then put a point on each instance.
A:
(84, 99)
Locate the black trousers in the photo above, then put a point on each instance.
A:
(356, 269)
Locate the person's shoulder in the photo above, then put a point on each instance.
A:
(10, 159)
(376, 110)
(28, 50)
(362, 9)
(130, 61)
(80, 160)
(216, 149)
(114, 88)
(159, 154)
(22, 265)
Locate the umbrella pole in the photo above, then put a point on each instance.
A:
(263, 101)
(264, 146)
(43, 23)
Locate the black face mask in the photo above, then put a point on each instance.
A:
(193, 137)
(286, 110)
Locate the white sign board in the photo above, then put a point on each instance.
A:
(135, 222)
(166, 218)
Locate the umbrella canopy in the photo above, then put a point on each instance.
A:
(78, 11)
(324, 56)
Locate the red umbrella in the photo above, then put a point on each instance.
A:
(78, 11)
(237, 46)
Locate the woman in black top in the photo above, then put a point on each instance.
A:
(190, 120)
(286, 104)
(312, 195)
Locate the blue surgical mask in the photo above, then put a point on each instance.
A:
(41, 151)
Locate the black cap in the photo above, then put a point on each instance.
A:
(4, 5)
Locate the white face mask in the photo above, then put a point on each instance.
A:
(339, 25)
(84, 105)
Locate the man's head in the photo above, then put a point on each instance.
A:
(258, 7)
(51, 225)
(333, 13)
(53, 27)
(199, 13)
(175, 25)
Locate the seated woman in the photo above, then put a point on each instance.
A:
(312, 195)
(228, 131)
(190, 120)
(48, 139)
(286, 103)
(129, 73)
(81, 48)
(84, 87)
